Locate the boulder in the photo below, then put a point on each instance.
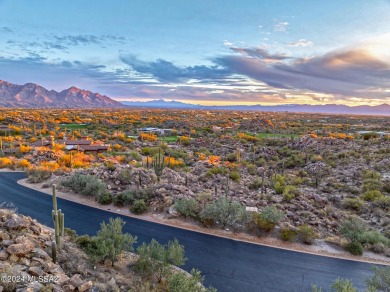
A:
(76, 281)
(86, 286)
(16, 223)
(23, 247)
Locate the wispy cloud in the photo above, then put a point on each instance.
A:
(281, 26)
(261, 53)
(301, 43)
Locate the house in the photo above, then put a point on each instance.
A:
(94, 149)
(156, 131)
(380, 134)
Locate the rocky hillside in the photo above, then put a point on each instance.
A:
(31, 95)
(26, 263)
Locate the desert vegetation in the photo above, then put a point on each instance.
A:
(298, 177)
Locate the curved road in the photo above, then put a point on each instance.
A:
(228, 265)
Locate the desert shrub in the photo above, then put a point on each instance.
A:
(134, 155)
(255, 184)
(95, 188)
(287, 234)
(380, 280)
(235, 176)
(215, 171)
(150, 151)
(352, 229)
(268, 218)
(383, 202)
(125, 175)
(105, 199)
(373, 237)
(83, 241)
(123, 199)
(252, 169)
(371, 174)
(354, 247)
(378, 247)
(353, 204)
(110, 165)
(70, 233)
(138, 207)
(110, 242)
(372, 196)
(225, 212)
(272, 214)
(306, 234)
(155, 259)
(38, 175)
(386, 187)
(87, 185)
(187, 207)
(343, 285)
(290, 192)
(371, 185)
(279, 183)
(179, 282)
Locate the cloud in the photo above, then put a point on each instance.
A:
(166, 71)
(301, 43)
(260, 53)
(6, 29)
(353, 72)
(281, 26)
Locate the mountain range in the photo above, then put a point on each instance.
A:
(31, 95)
(383, 109)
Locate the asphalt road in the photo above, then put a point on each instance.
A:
(227, 265)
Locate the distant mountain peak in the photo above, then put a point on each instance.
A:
(31, 95)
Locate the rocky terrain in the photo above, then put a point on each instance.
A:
(26, 262)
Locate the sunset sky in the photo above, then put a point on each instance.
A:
(205, 52)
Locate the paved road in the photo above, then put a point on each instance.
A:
(228, 265)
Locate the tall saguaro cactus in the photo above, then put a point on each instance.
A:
(58, 219)
(159, 164)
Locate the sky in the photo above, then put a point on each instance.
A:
(204, 52)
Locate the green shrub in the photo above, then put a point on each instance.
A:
(371, 185)
(105, 199)
(352, 229)
(255, 184)
(87, 185)
(83, 241)
(373, 237)
(268, 218)
(138, 207)
(225, 211)
(37, 175)
(290, 192)
(372, 196)
(279, 183)
(187, 207)
(287, 234)
(353, 204)
(123, 199)
(306, 234)
(235, 176)
(343, 285)
(354, 247)
(125, 175)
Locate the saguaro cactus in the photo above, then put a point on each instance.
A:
(58, 219)
(159, 164)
